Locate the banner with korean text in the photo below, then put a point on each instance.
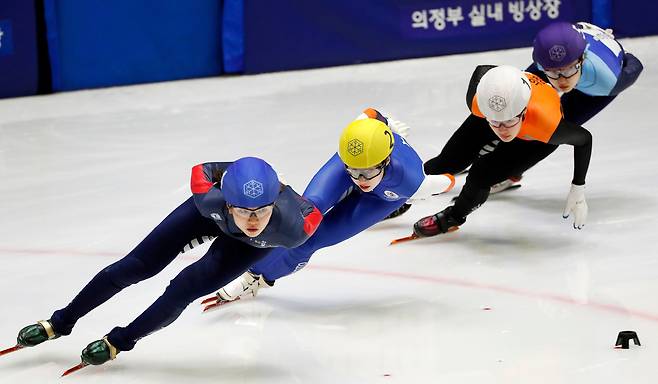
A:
(295, 34)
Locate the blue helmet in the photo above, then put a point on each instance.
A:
(249, 183)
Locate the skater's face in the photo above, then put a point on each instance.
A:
(251, 221)
(367, 179)
(507, 130)
(565, 79)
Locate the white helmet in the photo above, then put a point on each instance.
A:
(503, 93)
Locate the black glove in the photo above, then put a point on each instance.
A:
(441, 222)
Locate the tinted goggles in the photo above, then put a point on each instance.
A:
(366, 173)
(507, 123)
(566, 73)
(259, 212)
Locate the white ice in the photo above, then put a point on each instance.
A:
(515, 296)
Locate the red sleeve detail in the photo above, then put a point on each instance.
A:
(312, 221)
(199, 182)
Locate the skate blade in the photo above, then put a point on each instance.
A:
(415, 237)
(404, 239)
(210, 299)
(510, 188)
(218, 304)
(10, 350)
(74, 369)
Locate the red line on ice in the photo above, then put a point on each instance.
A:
(406, 276)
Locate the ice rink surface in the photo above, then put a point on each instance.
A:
(515, 296)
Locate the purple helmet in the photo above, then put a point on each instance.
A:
(557, 45)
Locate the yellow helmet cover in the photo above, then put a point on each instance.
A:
(365, 143)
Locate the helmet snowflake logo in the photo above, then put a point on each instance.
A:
(497, 103)
(355, 147)
(557, 52)
(253, 189)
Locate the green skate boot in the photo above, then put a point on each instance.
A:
(96, 353)
(32, 335)
(36, 334)
(99, 352)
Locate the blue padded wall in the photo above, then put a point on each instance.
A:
(19, 59)
(634, 17)
(233, 36)
(96, 43)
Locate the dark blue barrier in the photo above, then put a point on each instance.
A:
(634, 17)
(294, 34)
(98, 43)
(602, 13)
(233, 36)
(19, 59)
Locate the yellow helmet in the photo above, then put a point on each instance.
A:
(365, 143)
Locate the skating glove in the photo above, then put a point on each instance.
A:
(400, 127)
(577, 205)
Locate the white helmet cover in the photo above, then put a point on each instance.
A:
(503, 93)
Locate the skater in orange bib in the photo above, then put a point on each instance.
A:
(516, 122)
(541, 116)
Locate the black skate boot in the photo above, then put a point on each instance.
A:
(441, 222)
(36, 334)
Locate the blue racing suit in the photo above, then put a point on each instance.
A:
(607, 70)
(347, 210)
(205, 214)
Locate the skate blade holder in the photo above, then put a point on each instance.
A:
(624, 337)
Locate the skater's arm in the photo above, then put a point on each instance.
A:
(479, 71)
(205, 175)
(205, 185)
(581, 139)
(297, 219)
(329, 185)
(462, 148)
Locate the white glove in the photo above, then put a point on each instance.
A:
(577, 205)
(246, 284)
(400, 127)
(600, 32)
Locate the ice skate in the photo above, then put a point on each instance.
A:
(33, 335)
(509, 183)
(96, 353)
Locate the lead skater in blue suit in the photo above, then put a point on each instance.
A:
(373, 174)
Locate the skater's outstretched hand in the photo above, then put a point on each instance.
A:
(576, 205)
